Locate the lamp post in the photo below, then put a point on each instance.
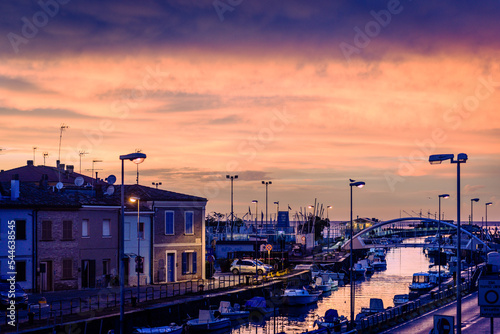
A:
(486, 220)
(256, 242)
(461, 158)
(232, 177)
(472, 200)
(137, 158)
(266, 183)
(359, 184)
(138, 200)
(329, 226)
(439, 238)
(277, 208)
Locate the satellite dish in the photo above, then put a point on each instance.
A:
(111, 179)
(110, 190)
(59, 185)
(79, 181)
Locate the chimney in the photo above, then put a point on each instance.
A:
(61, 166)
(70, 168)
(29, 162)
(14, 187)
(57, 163)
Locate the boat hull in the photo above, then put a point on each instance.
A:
(196, 326)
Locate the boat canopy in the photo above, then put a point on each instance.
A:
(331, 315)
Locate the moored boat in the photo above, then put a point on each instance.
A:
(258, 304)
(171, 329)
(232, 312)
(401, 299)
(332, 321)
(300, 297)
(422, 282)
(207, 322)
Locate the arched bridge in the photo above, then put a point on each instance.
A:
(400, 232)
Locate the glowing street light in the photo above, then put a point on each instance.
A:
(486, 220)
(461, 158)
(472, 200)
(136, 158)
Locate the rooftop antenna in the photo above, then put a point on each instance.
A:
(137, 150)
(93, 169)
(63, 126)
(45, 154)
(34, 149)
(81, 153)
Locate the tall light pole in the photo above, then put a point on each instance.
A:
(137, 158)
(138, 200)
(359, 184)
(277, 208)
(439, 238)
(486, 206)
(461, 158)
(256, 242)
(329, 225)
(472, 200)
(232, 177)
(266, 183)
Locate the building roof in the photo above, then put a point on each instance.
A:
(34, 193)
(32, 173)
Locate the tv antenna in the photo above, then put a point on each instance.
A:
(34, 150)
(94, 169)
(63, 127)
(45, 154)
(81, 153)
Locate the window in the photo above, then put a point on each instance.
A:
(67, 230)
(67, 269)
(126, 231)
(21, 271)
(46, 230)
(169, 222)
(85, 228)
(105, 266)
(105, 228)
(188, 222)
(141, 231)
(21, 229)
(189, 263)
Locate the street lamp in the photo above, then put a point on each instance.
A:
(277, 208)
(138, 200)
(359, 184)
(232, 177)
(486, 206)
(136, 158)
(266, 183)
(256, 242)
(472, 200)
(461, 158)
(439, 238)
(329, 226)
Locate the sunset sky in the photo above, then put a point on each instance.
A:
(304, 94)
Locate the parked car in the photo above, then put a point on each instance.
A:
(247, 267)
(17, 294)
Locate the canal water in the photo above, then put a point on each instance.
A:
(402, 263)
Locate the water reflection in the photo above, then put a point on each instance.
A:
(402, 263)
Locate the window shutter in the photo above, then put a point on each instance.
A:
(184, 263)
(194, 263)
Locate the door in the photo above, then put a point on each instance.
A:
(88, 273)
(46, 275)
(170, 267)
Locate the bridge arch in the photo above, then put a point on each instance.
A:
(358, 242)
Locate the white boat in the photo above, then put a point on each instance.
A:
(359, 270)
(232, 312)
(401, 299)
(171, 329)
(423, 282)
(321, 285)
(379, 263)
(365, 263)
(332, 321)
(207, 322)
(300, 297)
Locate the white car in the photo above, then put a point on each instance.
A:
(247, 267)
